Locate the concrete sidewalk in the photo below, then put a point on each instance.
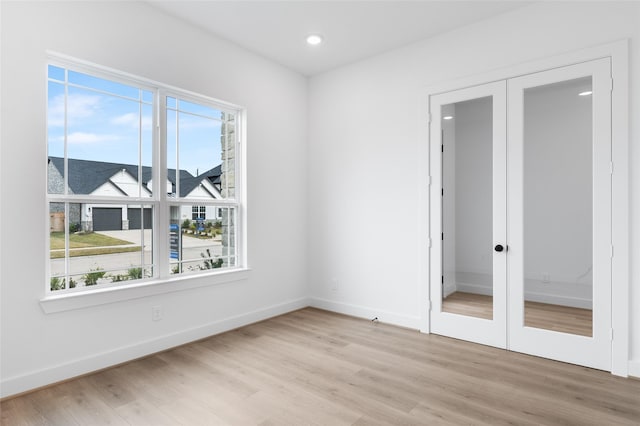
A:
(134, 236)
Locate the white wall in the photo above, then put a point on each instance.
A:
(38, 348)
(368, 129)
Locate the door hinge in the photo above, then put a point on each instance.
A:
(611, 334)
(612, 251)
(442, 148)
(611, 84)
(429, 242)
(442, 236)
(429, 117)
(442, 279)
(611, 167)
(429, 181)
(429, 305)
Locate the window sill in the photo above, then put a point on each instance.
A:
(68, 302)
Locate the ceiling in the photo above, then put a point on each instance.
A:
(352, 30)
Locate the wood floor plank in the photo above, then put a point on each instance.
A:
(111, 388)
(52, 404)
(140, 412)
(87, 404)
(312, 367)
(21, 412)
(189, 411)
(565, 319)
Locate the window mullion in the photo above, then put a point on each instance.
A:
(161, 191)
(65, 180)
(65, 166)
(67, 270)
(139, 177)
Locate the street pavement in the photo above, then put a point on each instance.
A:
(119, 263)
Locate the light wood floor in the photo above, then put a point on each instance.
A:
(315, 367)
(539, 315)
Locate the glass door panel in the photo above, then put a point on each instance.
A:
(467, 207)
(558, 199)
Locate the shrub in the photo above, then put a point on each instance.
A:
(217, 224)
(74, 227)
(92, 277)
(186, 224)
(119, 277)
(57, 283)
(209, 262)
(135, 273)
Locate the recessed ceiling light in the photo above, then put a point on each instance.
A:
(314, 39)
(585, 93)
(448, 117)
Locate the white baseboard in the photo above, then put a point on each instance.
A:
(554, 299)
(634, 368)
(366, 312)
(532, 296)
(449, 289)
(474, 289)
(33, 380)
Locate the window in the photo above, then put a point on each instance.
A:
(131, 201)
(198, 212)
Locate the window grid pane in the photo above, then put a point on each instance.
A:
(202, 244)
(85, 259)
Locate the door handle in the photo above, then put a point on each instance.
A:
(500, 248)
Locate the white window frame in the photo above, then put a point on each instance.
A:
(162, 281)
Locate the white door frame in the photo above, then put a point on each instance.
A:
(619, 54)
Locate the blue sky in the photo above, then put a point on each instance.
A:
(112, 126)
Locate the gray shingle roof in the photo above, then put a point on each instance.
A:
(85, 176)
(213, 175)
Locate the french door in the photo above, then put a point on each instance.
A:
(521, 214)
(469, 183)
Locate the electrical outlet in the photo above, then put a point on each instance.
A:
(546, 278)
(334, 284)
(156, 313)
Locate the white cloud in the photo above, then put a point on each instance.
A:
(133, 120)
(86, 138)
(130, 119)
(79, 106)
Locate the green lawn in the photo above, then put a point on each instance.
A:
(59, 254)
(93, 239)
